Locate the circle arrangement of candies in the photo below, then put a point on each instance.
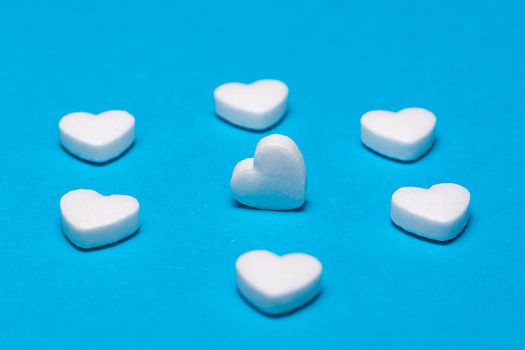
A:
(274, 179)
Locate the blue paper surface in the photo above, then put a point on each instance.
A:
(173, 284)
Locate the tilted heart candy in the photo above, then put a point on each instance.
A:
(439, 213)
(275, 178)
(405, 135)
(97, 138)
(278, 284)
(257, 106)
(90, 219)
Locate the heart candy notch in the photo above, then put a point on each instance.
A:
(90, 219)
(439, 213)
(274, 179)
(97, 138)
(405, 135)
(256, 106)
(278, 284)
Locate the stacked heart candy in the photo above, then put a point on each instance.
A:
(274, 179)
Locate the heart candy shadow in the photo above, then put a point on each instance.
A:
(424, 155)
(239, 205)
(288, 313)
(103, 247)
(100, 164)
(425, 239)
(261, 131)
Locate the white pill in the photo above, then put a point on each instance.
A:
(257, 106)
(274, 179)
(97, 138)
(439, 213)
(405, 135)
(90, 219)
(278, 284)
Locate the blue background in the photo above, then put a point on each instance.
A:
(173, 284)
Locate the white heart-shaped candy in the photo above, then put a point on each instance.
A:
(97, 138)
(90, 219)
(278, 284)
(439, 213)
(275, 178)
(405, 135)
(257, 106)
